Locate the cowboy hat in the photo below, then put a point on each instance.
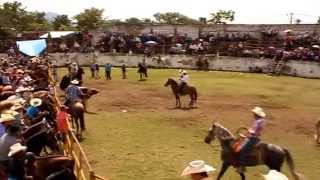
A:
(6, 118)
(16, 148)
(316, 46)
(16, 106)
(197, 166)
(35, 102)
(184, 72)
(76, 82)
(275, 175)
(27, 79)
(259, 111)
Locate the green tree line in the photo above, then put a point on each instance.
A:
(15, 17)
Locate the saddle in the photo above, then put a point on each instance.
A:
(253, 156)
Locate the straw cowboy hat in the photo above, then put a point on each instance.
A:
(197, 166)
(6, 118)
(275, 175)
(35, 102)
(259, 111)
(76, 82)
(16, 148)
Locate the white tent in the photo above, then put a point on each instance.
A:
(57, 34)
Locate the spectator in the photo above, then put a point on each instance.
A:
(6, 121)
(198, 170)
(6, 141)
(33, 110)
(108, 68)
(62, 121)
(17, 163)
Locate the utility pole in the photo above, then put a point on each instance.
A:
(291, 18)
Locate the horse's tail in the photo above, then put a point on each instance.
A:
(291, 165)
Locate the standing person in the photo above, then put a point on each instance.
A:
(252, 138)
(108, 68)
(97, 71)
(62, 121)
(93, 70)
(17, 163)
(198, 170)
(124, 71)
(6, 141)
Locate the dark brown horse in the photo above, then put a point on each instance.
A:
(188, 90)
(317, 135)
(263, 154)
(39, 136)
(50, 167)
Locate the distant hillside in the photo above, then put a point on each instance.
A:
(51, 15)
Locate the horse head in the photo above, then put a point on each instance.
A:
(170, 81)
(217, 130)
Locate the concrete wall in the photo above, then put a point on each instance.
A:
(294, 68)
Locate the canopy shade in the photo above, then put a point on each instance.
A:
(32, 47)
(57, 34)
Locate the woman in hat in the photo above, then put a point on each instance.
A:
(198, 170)
(17, 162)
(253, 136)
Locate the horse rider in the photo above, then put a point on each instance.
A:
(198, 170)
(73, 93)
(183, 80)
(252, 138)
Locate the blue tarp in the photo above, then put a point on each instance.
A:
(32, 47)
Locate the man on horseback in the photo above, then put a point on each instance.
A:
(183, 81)
(73, 93)
(252, 138)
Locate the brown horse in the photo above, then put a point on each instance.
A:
(50, 167)
(263, 154)
(317, 135)
(188, 90)
(77, 111)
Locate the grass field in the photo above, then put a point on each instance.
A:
(152, 140)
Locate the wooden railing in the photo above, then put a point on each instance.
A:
(72, 148)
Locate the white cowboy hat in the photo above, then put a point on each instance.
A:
(16, 148)
(76, 82)
(287, 31)
(316, 46)
(275, 175)
(197, 166)
(35, 102)
(259, 111)
(27, 79)
(184, 72)
(6, 118)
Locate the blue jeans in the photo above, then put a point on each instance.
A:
(246, 148)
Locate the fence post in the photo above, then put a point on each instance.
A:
(92, 176)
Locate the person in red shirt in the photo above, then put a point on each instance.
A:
(62, 121)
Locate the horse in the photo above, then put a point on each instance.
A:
(50, 167)
(39, 136)
(188, 90)
(317, 135)
(77, 110)
(270, 155)
(143, 71)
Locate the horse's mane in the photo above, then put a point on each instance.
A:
(225, 131)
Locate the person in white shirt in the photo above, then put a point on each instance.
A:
(183, 81)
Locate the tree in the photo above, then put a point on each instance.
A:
(90, 19)
(173, 18)
(14, 16)
(61, 22)
(133, 20)
(222, 17)
(298, 21)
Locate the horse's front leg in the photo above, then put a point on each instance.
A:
(179, 102)
(191, 101)
(224, 168)
(243, 177)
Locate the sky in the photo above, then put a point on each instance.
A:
(247, 11)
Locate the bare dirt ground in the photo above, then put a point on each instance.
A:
(152, 139)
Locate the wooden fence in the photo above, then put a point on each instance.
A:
(72, 148)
